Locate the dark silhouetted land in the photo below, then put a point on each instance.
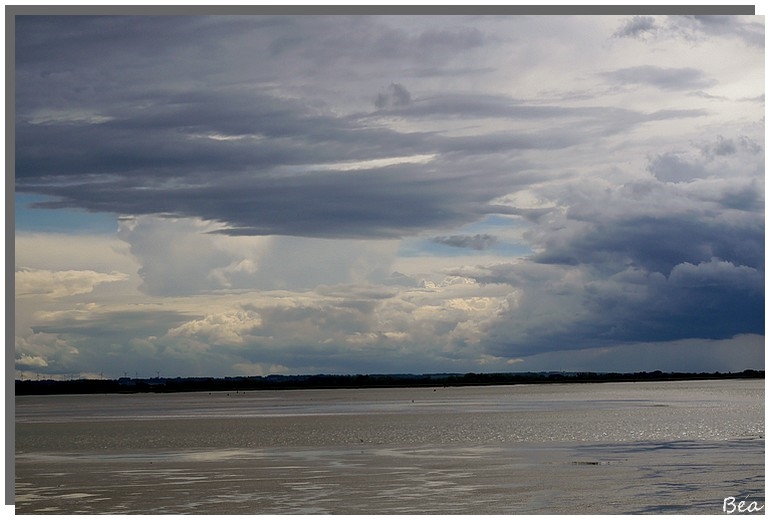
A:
(280, 382)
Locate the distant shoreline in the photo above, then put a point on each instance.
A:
(294, 382)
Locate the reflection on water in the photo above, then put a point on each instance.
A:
(593, 448)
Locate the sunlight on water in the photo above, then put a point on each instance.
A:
(589, 448)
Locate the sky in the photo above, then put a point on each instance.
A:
(253, 195)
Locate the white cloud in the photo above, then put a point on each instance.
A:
(45, 352)
(27, 361)
(226, 328)
(59, 284)
(185, 257)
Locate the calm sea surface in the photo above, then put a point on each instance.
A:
(618, 448)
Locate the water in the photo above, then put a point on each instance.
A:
(619, 448)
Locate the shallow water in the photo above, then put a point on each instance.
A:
(675, 447)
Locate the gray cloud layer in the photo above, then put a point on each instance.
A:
(239, 153)
(225, 158)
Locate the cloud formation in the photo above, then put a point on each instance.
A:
(58, 284)
(389, 194)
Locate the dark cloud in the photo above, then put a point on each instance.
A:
(648, 261)
(228, 157)
(636, 27)
(656, 243)
(395, 95)
(478, 242)
(719, 157)
(697, 27)
(182, 116)
(568, 307)
(675, 167)
(192, 133)
(743, 197)
(655, 226)
(684, 78)
(694, 28)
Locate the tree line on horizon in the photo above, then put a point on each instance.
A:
(280, 382)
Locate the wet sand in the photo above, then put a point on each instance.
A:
(628, 455)
(678, 477)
